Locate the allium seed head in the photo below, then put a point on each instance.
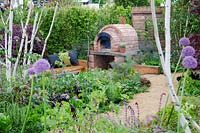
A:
(189, 62)
(41, 65)
(188, 51)
(184, 41)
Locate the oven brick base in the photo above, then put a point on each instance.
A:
(103, 61)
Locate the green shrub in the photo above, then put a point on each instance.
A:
(192, 87)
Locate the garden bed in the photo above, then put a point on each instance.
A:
(147, 69)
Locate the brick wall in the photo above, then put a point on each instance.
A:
(139, 16)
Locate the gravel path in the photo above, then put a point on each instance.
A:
(148, 101)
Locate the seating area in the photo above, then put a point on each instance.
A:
(82, 66)
(66, 61)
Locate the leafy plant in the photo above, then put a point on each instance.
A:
(5, 122)
(190, 105)
(192, 87)
(122, 45)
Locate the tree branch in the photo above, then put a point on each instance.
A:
(45, 42)
(157, 38)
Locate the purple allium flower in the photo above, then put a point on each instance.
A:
(30, 71)
(189, 62)
(188, 51)
(184, 41)
(41, 65)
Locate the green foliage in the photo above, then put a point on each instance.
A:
(61, 119)
(15, 115)
(5, 123)
(126, 3)
(149, 58)
(114, 91)
(192, 87)
(112, 84)
(130, 3)
(73, 25)
(190, 106)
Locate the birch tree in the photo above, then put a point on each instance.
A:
(166, 62)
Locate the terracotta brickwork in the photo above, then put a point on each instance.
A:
(120, 33)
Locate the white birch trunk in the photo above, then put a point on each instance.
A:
(34, 32)
(45, 42)
(6, 45)
(25, 49)
(9, 46)
(22, 42)
(175, 99)
(6, 53)
(167, 37)
(157, 38)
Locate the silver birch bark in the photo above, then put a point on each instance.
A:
(9, 45)
(34, 32)
(45, 42)
(175, 99)
(156, 34)
(25, 49)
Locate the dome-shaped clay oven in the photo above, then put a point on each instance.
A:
(112, 37)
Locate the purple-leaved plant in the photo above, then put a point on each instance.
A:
(188, 51)
(17, 36)
(189, 62)
(195, 43)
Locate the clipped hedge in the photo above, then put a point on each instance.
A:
(73, 25)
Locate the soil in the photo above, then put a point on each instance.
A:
(149, 101)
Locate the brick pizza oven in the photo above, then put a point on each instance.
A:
(108, 44)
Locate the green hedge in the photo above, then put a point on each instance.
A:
(73, 25)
